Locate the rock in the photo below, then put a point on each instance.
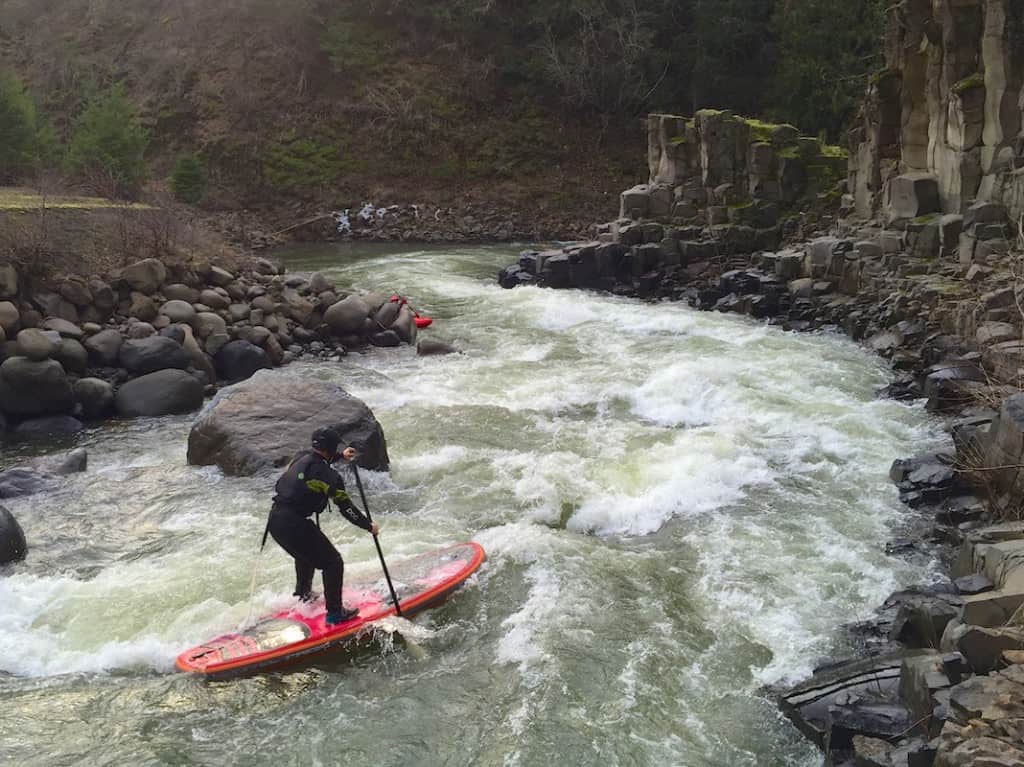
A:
(95, 396)
(23, 481)
(48, 425)
(179, 311)
(239, 312)
(64, 328)
(8, 281)
(75, 290)
(319, 284)
(140, 330)
(239, 360)
(30, 388)
(104, 347)
(976, 583)
(103, 298)
(196, 354)
(52, 305)
(257, 336)
(386, 339)
(73, 462)
(347, 316)
(405, 325)
(983, 647)
(214, 300)
(265, 421)
(990, 333)
(220, 277)
(9, 318)
(36, 345)
(913, 195)
(207, 324)
(145, 276)
(215, 342)
(142, 307)
(429, 347)
(147, 355)
(179, 292)
(13, 547)
(71, 355)
(165, 392)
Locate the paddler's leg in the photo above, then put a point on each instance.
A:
(327, 559)
(292, 533)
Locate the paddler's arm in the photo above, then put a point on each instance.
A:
(344, 502)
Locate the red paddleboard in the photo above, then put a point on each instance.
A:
(294, 635)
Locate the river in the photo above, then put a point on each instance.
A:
(678, 508)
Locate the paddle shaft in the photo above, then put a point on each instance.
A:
(376, 541)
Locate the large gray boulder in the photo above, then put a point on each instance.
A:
(165, 392)
(95, 396)
(238, 360)
(71, 355)
(263, 422)
(36, 344)
(179, 311)
(104, 348)
(29, 388)
(12, 539)
(348, 316)
(10, 318)
(147, 355)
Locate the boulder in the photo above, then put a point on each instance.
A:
(220, 277)
(239, 360)
(265, 421)
(208, 323)
(36, 344)
(405, 325)
(913, 195)
(71, 355)
(196, 354)
(214, 300)
(9, 318)
(429, 347)
(348, 316)
(103, 298)
(165, 392)
(180, 292)
(104, 347)
(30, 388)
(142, 307)
(147, 355)
(95, 396)
(23, 481)
(145, 276)
(385, 339)
(179, 311)
(48, 425)
(52, 305)
(12, 538)
(318, 283)
(75, 290)
(139, 330)
(64, 328)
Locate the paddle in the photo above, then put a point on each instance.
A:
(376, 541)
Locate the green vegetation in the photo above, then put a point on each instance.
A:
(188, 179)
(294, 163)
(108, 145)
(977, 80)
(22, 141)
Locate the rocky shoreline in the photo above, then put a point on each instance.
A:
(929, 277)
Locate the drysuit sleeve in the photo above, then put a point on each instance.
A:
(344, 503)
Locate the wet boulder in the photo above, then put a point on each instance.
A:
(29, 388)
(41, 475)
(164, 392)
(239, 360)
(348, 316)
(429, 347)
(49, 425)
(13, 546)
(263, 422)
(104, 347)
(95, 396)
(147, 355)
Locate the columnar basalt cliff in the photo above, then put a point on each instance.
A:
(945, 112)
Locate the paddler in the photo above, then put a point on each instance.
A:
(302, 491)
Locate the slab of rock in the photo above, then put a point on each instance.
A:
(165, 392)
(263, 422)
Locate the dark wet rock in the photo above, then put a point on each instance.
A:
(921, 618)
(30, 388)
(386, 339)
(264, 421)
(239, 360)
(164, 392)
(148, 355)
(95, 396)
(22, 481)
(347, 316)
(13, 546)
(62, 464)
(429, 347)
(49, 425)
(983, 647)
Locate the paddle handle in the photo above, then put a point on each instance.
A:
(376, 541)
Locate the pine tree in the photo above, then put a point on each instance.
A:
(18, 129)
(188, 179)
(108, 144)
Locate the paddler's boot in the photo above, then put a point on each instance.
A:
(307, 597)
(340, 616)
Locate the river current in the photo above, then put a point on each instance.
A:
(678, 508)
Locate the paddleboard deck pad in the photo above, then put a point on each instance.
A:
(296, 634)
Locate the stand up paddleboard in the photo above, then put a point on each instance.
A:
(297, 634)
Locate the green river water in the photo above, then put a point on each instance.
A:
(678, 508)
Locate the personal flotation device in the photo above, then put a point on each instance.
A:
(421, 322)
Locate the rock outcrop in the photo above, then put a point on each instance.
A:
(12, 538)
(265, 421)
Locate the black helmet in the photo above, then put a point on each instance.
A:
(326, 440)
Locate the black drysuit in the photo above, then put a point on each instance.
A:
(303, 490)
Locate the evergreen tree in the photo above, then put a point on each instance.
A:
(18, 129)
(188, 179)
(108, 144)
(826, 50)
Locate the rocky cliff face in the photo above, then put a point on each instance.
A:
(946, 110)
